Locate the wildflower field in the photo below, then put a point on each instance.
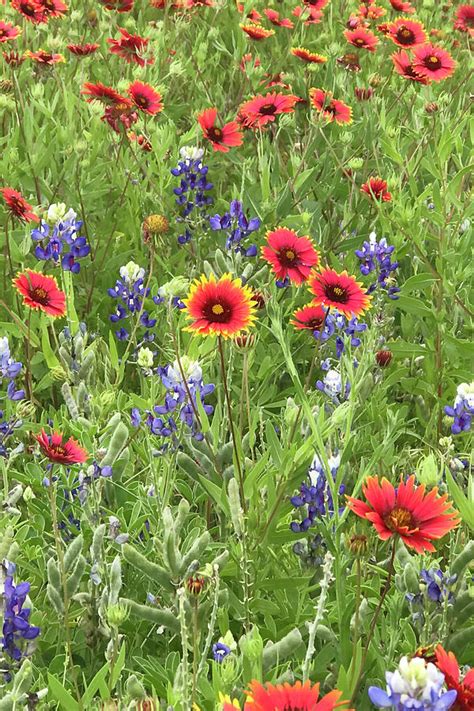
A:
(235, 355)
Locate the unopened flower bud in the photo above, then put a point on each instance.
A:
(117, 614)
(362, 94)
(25, 409)
(145, 358)
(375, 80)
(383, 358)
(245, 341)
(358, 544)
(196, 584)
(431, 107)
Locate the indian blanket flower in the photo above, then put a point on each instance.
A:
(220, 307)
(42, 56)
(309, 318)
(340, 291)
(402, 6)
(8, 31)
(17, 205)
(433, 62)
(83, 50)
(260, 110)
(17, 632)
(362, 38)
(403, 64)
(102, 92)
(61, 241)
(221, 138)
(288, 697)
(130, 47)
(41, 292)
(61, 452)
(465, 19)
(376, 189)
(307, 56)
(238, 227)
(314, 498)
(464, 687)
(274, 17)
(118, 5)
(416, 684)
(406, 33)
(290, 256)
(54, 8)
(256, 32)
(406, 511)
(331, 109)
(32, 10)
(462, 409)
(145, 97)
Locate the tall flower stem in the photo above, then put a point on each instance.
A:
(29, 380)
(325, 582)
(231, 423)
(374, 621)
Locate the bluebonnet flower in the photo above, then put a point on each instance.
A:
(314, 498)
(237, 227)
(416, 684)
(312, 551)
(220, 651)
(162, 420)
(438, 584)
(61, 240)
(9, 370)
(375, 256)
(191, 193)
(130, 292)
(339, 324)
(462, 409)
(17, 632)
(331, 385)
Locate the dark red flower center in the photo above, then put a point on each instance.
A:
(58, 449)
(27, 8)
(214, 134)
(405, 36)
(268, 109)
(433, 62)
(360, 41)
(39, 295)
(313, 323)
(17, 205)
(398, 518)
(141, 100)
(287, 257)
(217, 312)
(336, 293)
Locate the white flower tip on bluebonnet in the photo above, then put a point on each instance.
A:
(4, 347)
(465, 393)
(333, 381)
(191, 369)
(176, 287)
(56, 212)
(131, 272)
(191, 153)
(145, 358)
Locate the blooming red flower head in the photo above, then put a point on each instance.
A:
(119, 5)
(101, 92)
(406, 511)
(256, 32)
(376, 188)
(17, 205)
(465, 19)
(274, 18)
(371, 12)
(132, 48)
(309, 318)
(44, 57)
(120, 116)
(433, 62)
(13, 59)
(40, 292)
(60, 452)
(288, 697)
(83, 50)
(402, 6)
(53, 8)
(340, 291)
(220, 307)
(331, 109)
(307, 56)
(221, 137)
(260, 110)
(310, 15)
(253, 15)
(32, 10)
(145, 97)
(316, 4)
(448, 665)
(405, 32)
(289, 255)
(403, 66)
(362, 38)
(8, 31)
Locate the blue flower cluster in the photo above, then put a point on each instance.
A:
(338, 323)
(312, 551)
(10, 369)
(314, 498)
(191, 193)
(331, 384)
(375, 256)
(17, 630)
(220, 651)
(462, 409)
(237, 227)
(162, 420)
(130, 292)
(435, 586)
(61, 241)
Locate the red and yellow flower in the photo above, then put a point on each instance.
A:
(8, 31)
(32, 10)
(145, 97)
(256, 32)
(53, 8)
(274, 17)
(406, 511)
(130, 47)
(17, 205)
(222, 138)
(448, 665)
(402, 6)
(41, 292)
(43, 57)
(289, 255)
(464, 19)
(309, 318)
(118, 5)
(60, 452)
(376, 189)
(362, 38)
(285, 697)
(101, 92)
(433, 62)
(331, 109)
(260, 110)
(221, 307)
(406, 33)
(403, 66)
(307, 56)
(340, 291)
(83, 50)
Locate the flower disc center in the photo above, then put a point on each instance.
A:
(398, 518)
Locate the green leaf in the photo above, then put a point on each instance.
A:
(119, 665)
(49, 356)
(61, 694)
(464, 504)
